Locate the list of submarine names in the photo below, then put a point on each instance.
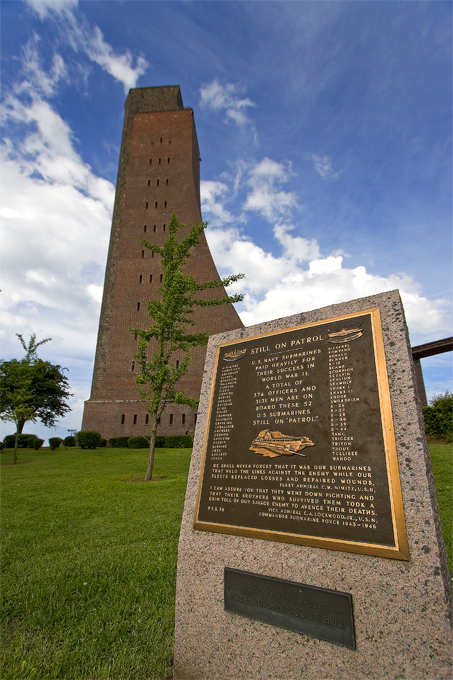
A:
(285, 390)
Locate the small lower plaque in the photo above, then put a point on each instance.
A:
(317, 612)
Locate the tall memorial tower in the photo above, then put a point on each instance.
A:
(159, 172)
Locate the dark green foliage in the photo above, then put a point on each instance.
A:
(439, 416)
(89, 439)
(119, 442)
(55, 442)
(23, 441)
(174, 441)
(69, 441)
(2, 446)
(138, 443)
(103, 443)
(37, 443)
(32, 389)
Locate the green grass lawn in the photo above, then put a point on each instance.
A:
(442, 461)
(89, 561)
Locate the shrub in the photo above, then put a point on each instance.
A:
(175, 441)
(119, 442)
(54, 443)
(439, 416)
(2, 446)
(89, 439)
(37, 443)
(69, 441)
(32, 439)
(24, 441)
(103, 443)
(138, 443)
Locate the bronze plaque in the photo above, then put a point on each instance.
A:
(317, 612)
(299, 444)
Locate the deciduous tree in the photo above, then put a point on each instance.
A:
(32, 389)
(172, 312)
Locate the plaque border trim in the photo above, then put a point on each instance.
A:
(399, 551)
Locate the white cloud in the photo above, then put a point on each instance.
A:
(323, 166)
(44, 7)
(212, 194)
(120, 66)
(37, 80)
(226, 98)
(264, 196)
(55, 222)
(302, 278)
(81, 36)
(279, 286)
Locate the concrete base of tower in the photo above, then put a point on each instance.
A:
(128, 418)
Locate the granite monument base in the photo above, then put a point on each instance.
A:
(237, 616)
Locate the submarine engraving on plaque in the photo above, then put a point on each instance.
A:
(299, 443)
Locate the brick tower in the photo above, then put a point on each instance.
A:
(159, 172)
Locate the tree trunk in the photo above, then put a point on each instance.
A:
(152, 446)
(19, 428)
(16, 440)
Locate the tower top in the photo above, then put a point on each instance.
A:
(147, 99)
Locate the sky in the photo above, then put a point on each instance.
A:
(325, 135)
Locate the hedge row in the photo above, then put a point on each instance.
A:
(24, 441)
(92, 440)
(439, 417)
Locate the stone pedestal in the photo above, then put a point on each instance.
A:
(401, 607)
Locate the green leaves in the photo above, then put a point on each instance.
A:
(164, 349)
(32, 389)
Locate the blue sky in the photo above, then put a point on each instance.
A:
(325, 137)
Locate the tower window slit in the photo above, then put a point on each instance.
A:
(157, 183)
(161, 140)
(144, 228)
(165, 226)
(171, 418)
(154, 228)
(165, 204)
(183, 418)
(150, 278)
(146, 205)
(151, 160)
(143, 253)
(149, 182)
(155, 205)
(168, 161)
(138, 306)
(133, 366)
(141, 278)
(135, 419)
(160, 161)
(147, 419)
(161, 277)
(177, 363)
(122, 419)
(166, 182)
